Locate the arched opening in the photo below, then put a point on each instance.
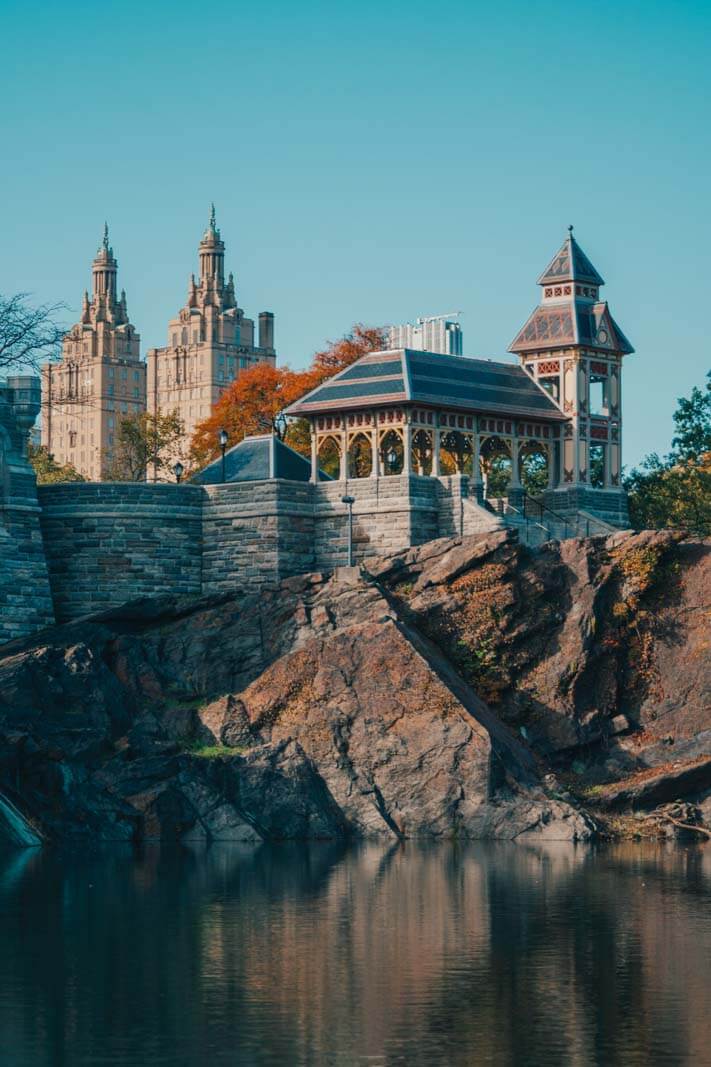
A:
(422, 451)
(534, 467)
(496, 467)
(597, 465)
(329, 457)
(360, 457)
(456, 451)
(392, 453)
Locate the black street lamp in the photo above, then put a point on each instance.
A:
(223, 439)
(349, 501)
(392, 459)
(178, 470)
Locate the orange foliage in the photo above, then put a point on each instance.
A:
(251, 403)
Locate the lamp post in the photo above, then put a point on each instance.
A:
(392, 459)
(349, 501)
(223, 439)
(178, 469)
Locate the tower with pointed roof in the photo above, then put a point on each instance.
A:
(210, 342)
(100, 378)
(572, 347)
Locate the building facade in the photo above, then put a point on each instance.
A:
(553, 421)
(439, 333)
(99, 380)
(210, 342)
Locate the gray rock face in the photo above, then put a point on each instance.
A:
(424, 697)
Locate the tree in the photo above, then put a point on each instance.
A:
(146, 444)
(340, 354)
(28, 335)
(46, 468)
(249, 405)
(692, 420)
(675, 491)
(252, 402)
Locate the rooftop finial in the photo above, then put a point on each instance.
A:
(570, 229)
(212, 216)
(106, 236)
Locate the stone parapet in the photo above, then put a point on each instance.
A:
(107, 543)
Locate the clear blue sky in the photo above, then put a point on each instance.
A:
(371, 161)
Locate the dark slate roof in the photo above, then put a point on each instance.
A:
(572, 323)
(404, 376)
(258, 459)
(570, 264)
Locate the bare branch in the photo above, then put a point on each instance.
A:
(28, 335)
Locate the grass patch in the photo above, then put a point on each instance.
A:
(213, 751)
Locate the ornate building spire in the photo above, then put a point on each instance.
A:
(104, 270)
(212, 262)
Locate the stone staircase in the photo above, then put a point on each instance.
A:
(539, 524)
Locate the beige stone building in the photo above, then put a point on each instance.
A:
(99, 380)
(210, 342)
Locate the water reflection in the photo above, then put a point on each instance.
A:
(484, 954)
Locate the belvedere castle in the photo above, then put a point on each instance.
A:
(412, 440)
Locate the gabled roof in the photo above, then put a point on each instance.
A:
(570, 264)
(572, 323)
(404, 376)
(257, 459)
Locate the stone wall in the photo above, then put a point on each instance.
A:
(256, 532)
(109, 542)
(25, 601)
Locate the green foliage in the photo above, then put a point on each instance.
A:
(692, 420)
(498, 476)
(213, 751)
(534, 472)
(675, 491)
(146, 445)
(48, 471)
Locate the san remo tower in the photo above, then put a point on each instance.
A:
(209, 342)
(100, 380)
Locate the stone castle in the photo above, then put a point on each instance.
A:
(405, 439)
(102, 378)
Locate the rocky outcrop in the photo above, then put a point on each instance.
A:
(466, 688)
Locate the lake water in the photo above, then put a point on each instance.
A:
(320, 954)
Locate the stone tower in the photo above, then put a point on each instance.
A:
(99, 380)
(573, 348)
(209, 342)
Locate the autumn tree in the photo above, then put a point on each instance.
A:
(252, 402)
(145, 446)
(46, 468)
(250, 405)
(340, 354)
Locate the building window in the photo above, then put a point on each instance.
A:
(111, 372)
(72, 438)
(111, 390)
(111, 422)
(124, 374)
(135, 376)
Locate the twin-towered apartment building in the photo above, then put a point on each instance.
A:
(102, 378)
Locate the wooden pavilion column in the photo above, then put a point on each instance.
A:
(436, 463)
(407, 445)
(375, 469)
(314, 452)
(343, 473)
